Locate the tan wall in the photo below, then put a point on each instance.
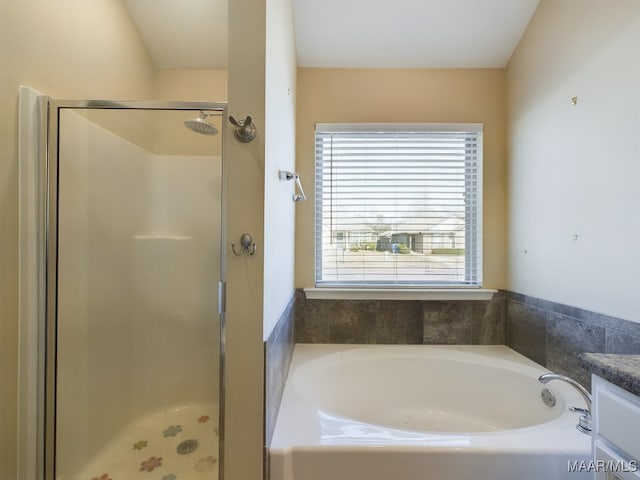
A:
(244, 189)
(573, 170)
(362, 95)
(197, 85)
(68, 49)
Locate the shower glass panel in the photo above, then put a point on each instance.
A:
(138, 333)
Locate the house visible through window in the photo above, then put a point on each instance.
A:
(398, 205)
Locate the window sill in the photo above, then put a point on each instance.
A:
(399, 294)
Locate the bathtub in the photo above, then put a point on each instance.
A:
(423, 412)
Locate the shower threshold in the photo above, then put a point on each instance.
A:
(179, 444)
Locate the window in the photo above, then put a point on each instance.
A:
(398, 205)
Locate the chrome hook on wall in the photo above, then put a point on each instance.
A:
(245, 130)
(246, 245)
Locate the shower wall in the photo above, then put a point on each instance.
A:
(139, 248)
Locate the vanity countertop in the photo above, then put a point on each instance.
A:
(621, 370)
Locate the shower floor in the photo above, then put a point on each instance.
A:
(180, 444)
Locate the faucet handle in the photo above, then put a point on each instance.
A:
(583, 411)
(584, 422)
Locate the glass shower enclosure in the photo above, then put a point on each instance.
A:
(134, 325)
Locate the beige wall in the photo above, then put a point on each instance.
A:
(66, 49)
(573, 170)
(361, 95)
(245, 171)
(197, 85)
(70, 49)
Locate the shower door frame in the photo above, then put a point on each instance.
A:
(46, 448)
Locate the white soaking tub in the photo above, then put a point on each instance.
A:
(423, 412)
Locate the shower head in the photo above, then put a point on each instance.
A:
(200, 124)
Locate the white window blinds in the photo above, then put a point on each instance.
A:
(398, 205)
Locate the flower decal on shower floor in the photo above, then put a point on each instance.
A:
(172, 431)
(151, 464)
(180, 445)
(205, 464)
(104, 476)
(140, 445)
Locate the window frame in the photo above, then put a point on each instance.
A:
(473, 217)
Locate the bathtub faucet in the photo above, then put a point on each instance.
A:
(584, 422)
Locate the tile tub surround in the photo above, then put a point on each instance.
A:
(554, 335)
(549, 333)
(278, 350)
(470, 322)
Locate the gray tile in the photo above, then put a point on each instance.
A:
(624, 326)
(278, 350)
(399, 322)
(489, 321)
(311, 319)
(595, 318)
(549, 333)
(567, 338)
(357, 321)
(447, 323)
(353, 321)
(526, 331)
(518, 297)
(617, 341)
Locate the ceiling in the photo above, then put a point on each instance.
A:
(182, 33)
(346, 33)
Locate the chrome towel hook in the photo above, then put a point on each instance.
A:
(245, 130)
(246, 245)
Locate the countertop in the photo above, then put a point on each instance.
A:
(621, 370)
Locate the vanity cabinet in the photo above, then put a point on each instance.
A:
(615, 432)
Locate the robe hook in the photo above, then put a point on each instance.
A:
(246, 245)
(245, 130)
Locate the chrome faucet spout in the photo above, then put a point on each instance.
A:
(584, 422)
(547, 377)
